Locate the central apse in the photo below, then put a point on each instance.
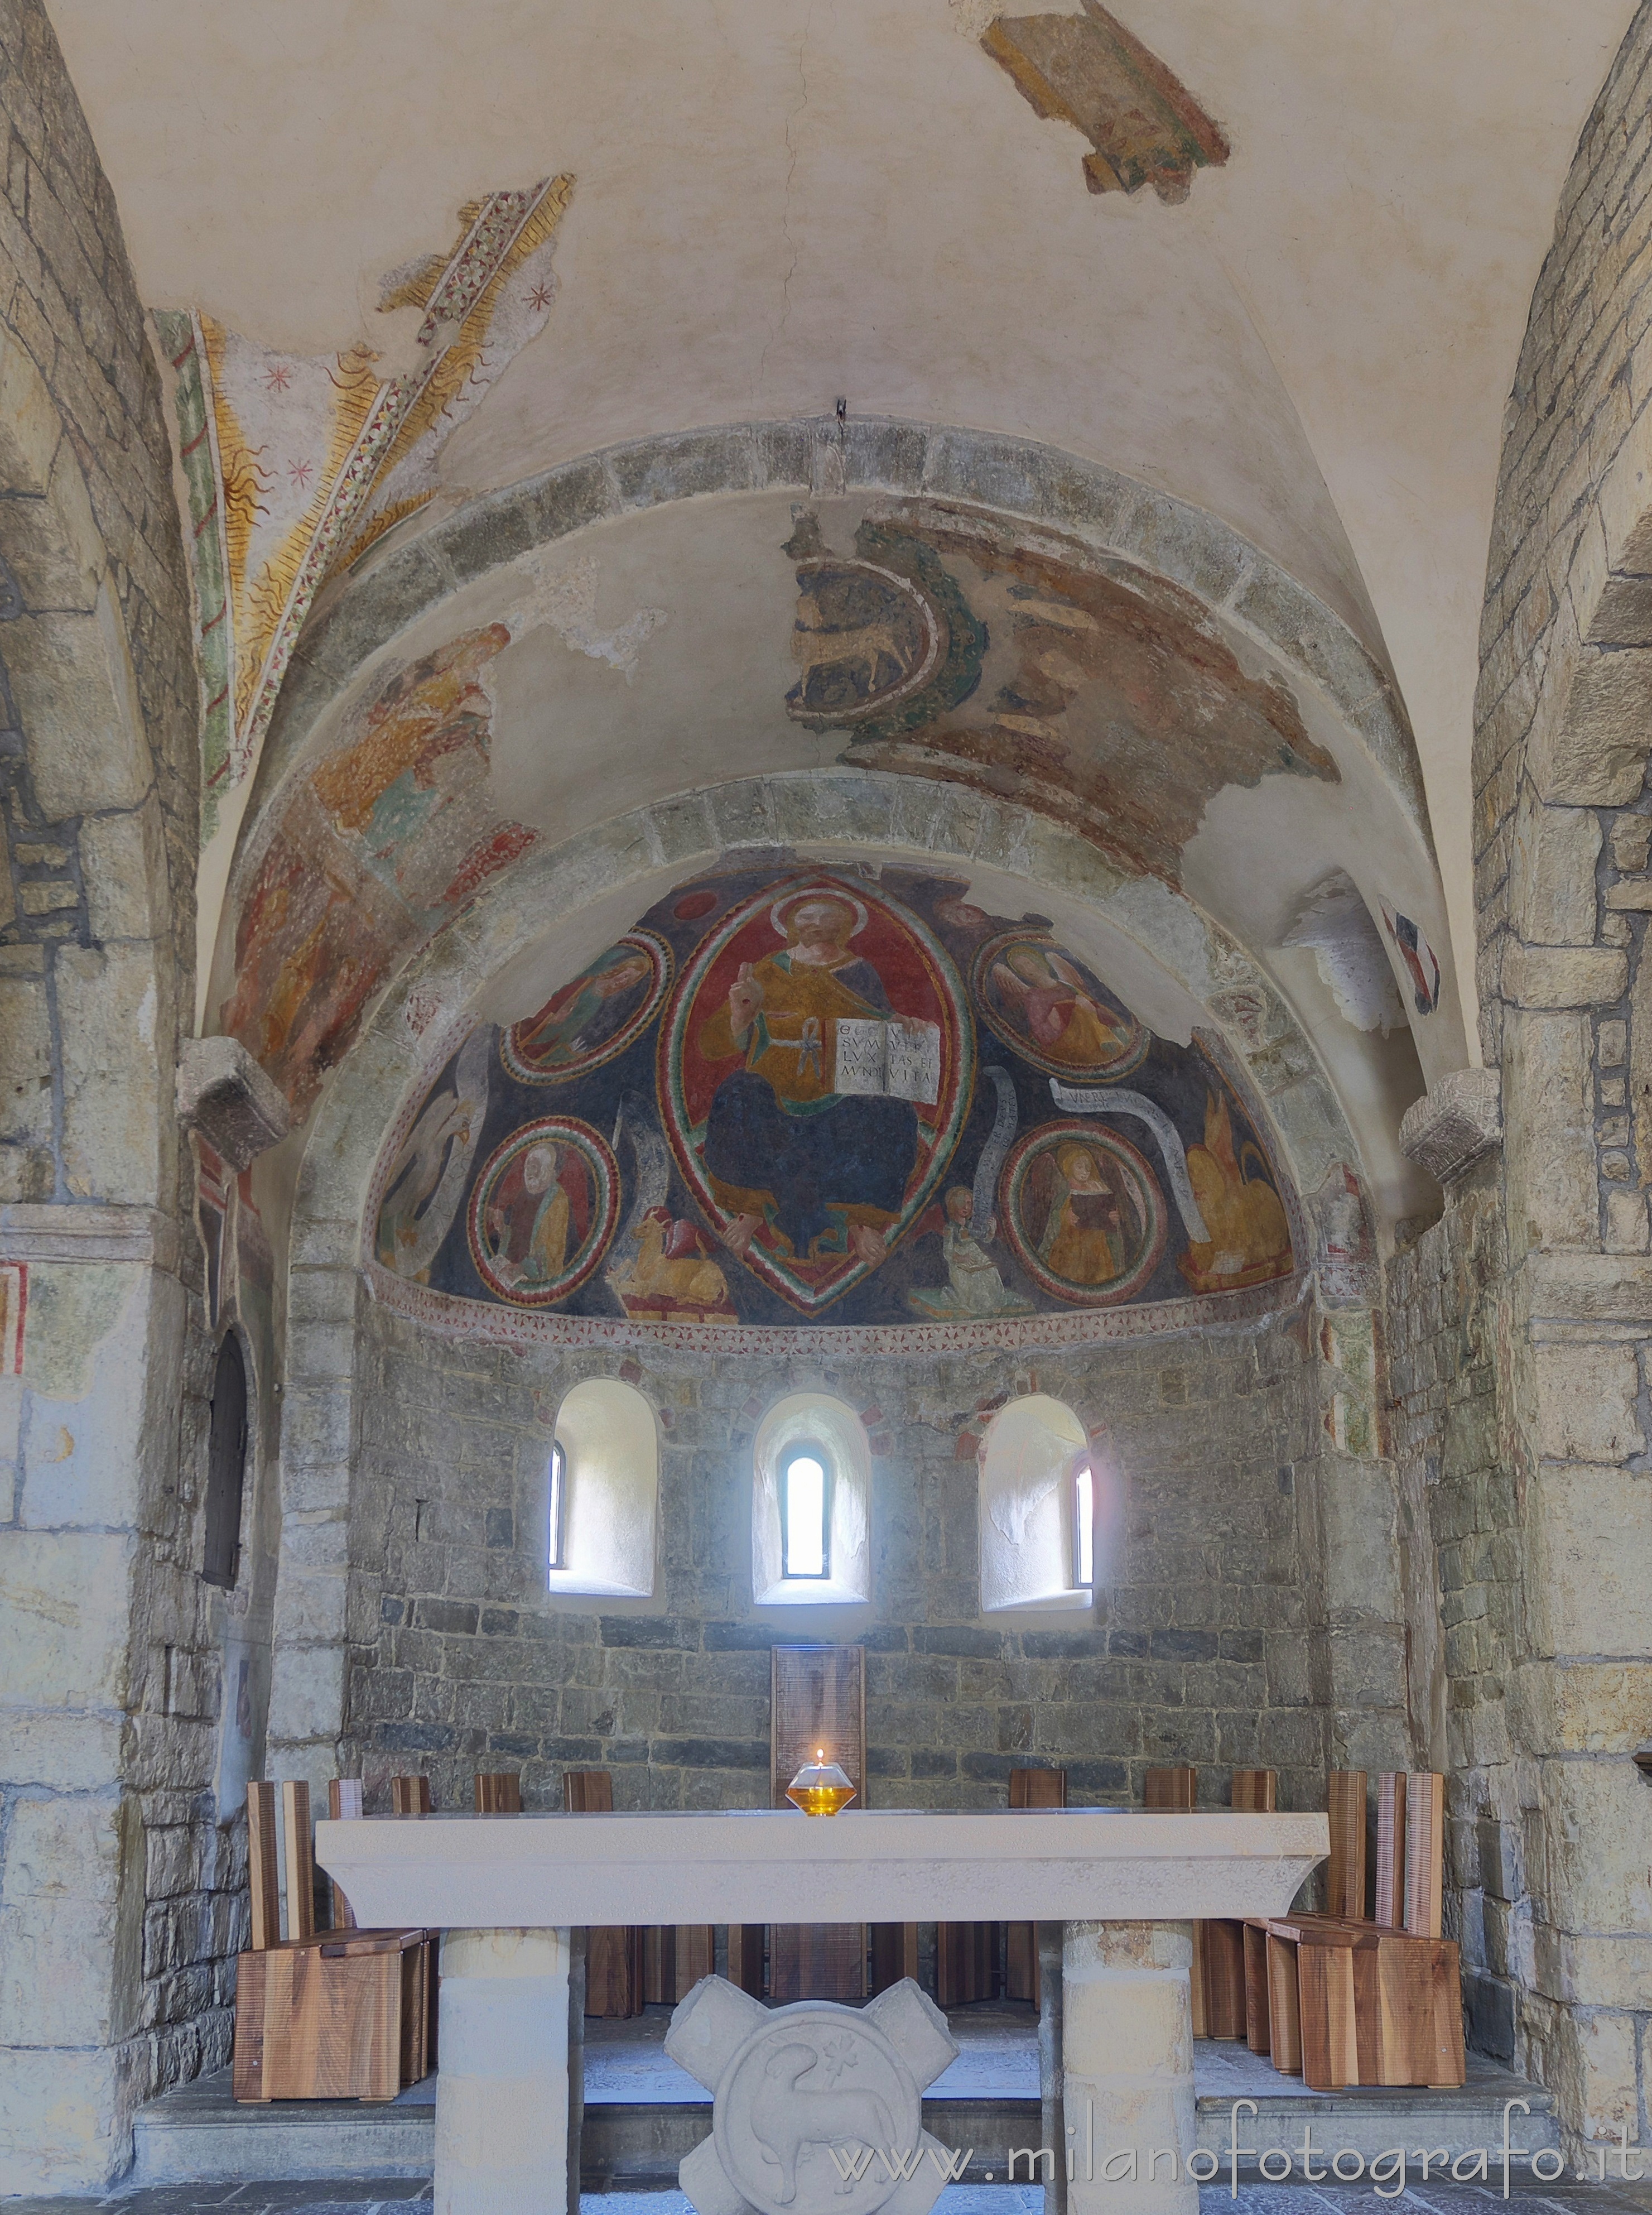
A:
(792, 1094)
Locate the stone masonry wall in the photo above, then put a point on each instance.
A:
(1461, 1547)
(116, 1908)
(1207, 1645)
(1564, 1587)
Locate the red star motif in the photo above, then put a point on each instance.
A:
(299, 473)
(540, 298)
(279, 379)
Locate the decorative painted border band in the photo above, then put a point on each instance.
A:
(476, 1320)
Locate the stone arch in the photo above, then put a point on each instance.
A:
(1545, 1250)
(1250, 1025)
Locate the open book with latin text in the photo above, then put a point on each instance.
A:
(888, 1059)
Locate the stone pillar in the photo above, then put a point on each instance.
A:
(507, 2139)
(1127, 2055)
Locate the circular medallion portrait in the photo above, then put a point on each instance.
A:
(1045, 1004)
(865, 639)
(1083, 1213)
(595, 1016)
(543, 1211)
(809, 2083)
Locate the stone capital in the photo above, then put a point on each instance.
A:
(1455, 1124)
(225, 1095)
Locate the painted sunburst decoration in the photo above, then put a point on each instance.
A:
(297, 465)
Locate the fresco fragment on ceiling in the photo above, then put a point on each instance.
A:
(1145, 126)
(1072, 684)
(791, 1095)
(295, 464)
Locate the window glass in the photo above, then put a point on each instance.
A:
(806, 1542)
(555, 1554)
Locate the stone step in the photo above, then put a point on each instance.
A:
(196, 2134)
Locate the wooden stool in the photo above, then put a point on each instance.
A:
(321, 2015)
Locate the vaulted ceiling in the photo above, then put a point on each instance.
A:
(735, 212)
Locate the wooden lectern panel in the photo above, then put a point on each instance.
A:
(1345, 1877)
(299, 1840)
(675, 1957)
(498, 1792)
(1425, 1852)
(263, 1876)
(1391, 1849)
(614, 1953)
(1172, 1791)
(410, 1796)
(818, 1696)
(1028, 1788)
(1256, 1791)
(818, 1701)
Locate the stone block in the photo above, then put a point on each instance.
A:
(1551, 871)
(64, 1603)
(60, 2119)
(224, 1094)
(1549, 1131)
(29, 429)
(76, 699)
(1594, 755)
(113, 1034)
(124, 868)
(1592, 2069)
(1357, 1507)
(1585, 1402)
(1591, 1588)
(1594, 1822)
(1489, 2004)
(26, 1095)
(1456, 1122)
(69, 1753)
(306, 1694)
(51, 545)
(1563, 976)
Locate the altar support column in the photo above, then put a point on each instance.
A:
(507, 2136)
(1127, 2057)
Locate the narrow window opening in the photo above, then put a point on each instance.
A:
(805, 1513)
(1084, 1524)
(226, 1466)
(558, 1558)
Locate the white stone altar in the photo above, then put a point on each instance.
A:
(510, 1889)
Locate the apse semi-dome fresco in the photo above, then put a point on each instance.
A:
(792, 1094)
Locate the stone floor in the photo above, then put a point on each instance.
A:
(364, 2197)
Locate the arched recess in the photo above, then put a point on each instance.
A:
(602, 1493)
(1242, 841)
(592, 886)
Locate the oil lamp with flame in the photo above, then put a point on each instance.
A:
(820, 1787)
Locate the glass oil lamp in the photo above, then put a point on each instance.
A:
(820, 1787)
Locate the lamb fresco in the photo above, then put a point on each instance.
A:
(802, 1093)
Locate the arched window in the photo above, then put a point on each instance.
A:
(1037, 1508)
(810, 1505)
(601, 1494)
(226, 1466)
